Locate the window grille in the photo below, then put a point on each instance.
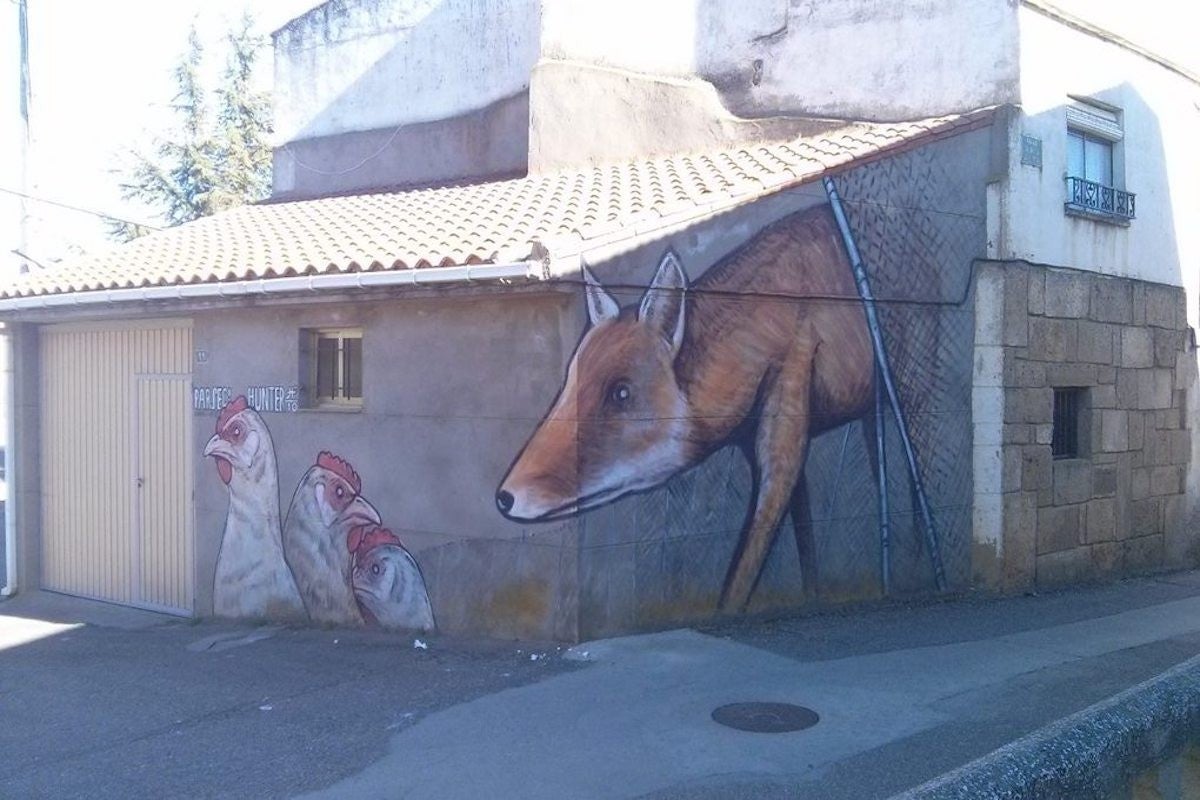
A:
(334, 363)
(1068, 411)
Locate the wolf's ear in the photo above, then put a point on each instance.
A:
(662, 305)
(600, 304)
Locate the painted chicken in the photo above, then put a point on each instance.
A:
(252, 577)
(326, 507)
(387, 582)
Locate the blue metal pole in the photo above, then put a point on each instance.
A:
(885, 520)
(885, 372)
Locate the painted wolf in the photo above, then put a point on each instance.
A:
(768, 349)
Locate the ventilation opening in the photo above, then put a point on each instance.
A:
(1069, 409)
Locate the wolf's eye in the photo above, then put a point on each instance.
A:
(374, 569)
(620, 395)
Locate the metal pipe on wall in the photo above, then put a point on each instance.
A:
(885, 373)
(10, 502)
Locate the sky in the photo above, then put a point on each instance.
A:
(100, 73)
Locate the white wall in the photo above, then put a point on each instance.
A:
(867, 59)
(1161, 121)
(363, 65)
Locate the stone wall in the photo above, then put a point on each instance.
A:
(1119, 507)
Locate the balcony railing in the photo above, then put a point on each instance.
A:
(1096, 199)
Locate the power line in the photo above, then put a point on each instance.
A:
(78, 209)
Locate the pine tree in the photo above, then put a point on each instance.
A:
(244, 126)
(207, 165)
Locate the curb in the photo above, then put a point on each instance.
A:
(1093, 753)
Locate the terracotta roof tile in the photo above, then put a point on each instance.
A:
(471, 224)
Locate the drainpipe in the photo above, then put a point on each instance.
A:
(10, 503)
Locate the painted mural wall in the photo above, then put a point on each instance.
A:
(698, 426)
(328, 560)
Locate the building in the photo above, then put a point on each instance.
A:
(560, 331)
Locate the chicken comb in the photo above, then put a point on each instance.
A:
(368, 537)
(234, 407)
(341, 467)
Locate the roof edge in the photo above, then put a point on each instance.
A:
(528, 270)
(566, 252)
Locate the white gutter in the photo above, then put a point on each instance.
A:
(10, 501)
(531, 269)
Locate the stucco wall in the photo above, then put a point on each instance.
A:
(451, 388)
(455, 387)
(358, 84)
(371, 93)
(486, 144)
(590, 114)
(1161, 124)
(861, 59)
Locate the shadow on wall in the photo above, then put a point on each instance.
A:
(857, 59)
(1139, 165)
(453, 75)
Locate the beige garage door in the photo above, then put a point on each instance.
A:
(116, 466)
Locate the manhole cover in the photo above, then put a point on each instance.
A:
(765, 717)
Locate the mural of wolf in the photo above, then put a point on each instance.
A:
(768, 349)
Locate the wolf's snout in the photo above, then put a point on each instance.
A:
(504, 501)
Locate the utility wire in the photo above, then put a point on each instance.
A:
(78, 209)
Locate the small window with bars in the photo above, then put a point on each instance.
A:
(1070, 423)
(334, 363)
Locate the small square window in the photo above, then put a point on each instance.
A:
(1070, 423)
(332, 362)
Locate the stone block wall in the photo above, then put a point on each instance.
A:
(1118, 508)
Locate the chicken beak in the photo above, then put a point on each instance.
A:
(217, 447)
(360, 512)
(223, 454)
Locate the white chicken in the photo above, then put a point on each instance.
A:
(252, 578)
(387, 581)
(325, 508)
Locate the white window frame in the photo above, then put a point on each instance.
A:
(1102, 121)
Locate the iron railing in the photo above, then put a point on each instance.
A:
(1096, 198)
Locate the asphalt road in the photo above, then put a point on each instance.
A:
(97, 701)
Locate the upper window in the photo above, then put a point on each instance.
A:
(1095, 163)
(1089, 157)
(333, 358)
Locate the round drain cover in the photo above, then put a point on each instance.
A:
(765, 717)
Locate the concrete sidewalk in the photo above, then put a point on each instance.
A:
(904, 693)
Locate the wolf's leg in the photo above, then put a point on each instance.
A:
(781, 442)
(802, 527)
